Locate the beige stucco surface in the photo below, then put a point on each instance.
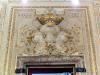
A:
(18, 20)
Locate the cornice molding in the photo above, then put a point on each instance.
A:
(48, 0)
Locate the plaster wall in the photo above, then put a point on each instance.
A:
(8, 35)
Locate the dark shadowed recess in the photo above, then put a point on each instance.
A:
(38, 69)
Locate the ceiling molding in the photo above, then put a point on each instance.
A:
(47, 0)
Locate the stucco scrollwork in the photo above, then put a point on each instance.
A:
(51, 40)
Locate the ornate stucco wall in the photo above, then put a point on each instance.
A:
(22, 35)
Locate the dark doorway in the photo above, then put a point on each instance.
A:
(68, 69)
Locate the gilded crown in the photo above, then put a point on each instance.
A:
(50, 19)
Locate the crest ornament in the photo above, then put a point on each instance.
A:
(50, 19)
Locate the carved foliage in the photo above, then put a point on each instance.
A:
(51, 40)
(36, 39)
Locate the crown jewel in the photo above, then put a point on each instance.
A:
(50, 19)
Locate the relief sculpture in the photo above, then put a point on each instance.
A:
(49, 38)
